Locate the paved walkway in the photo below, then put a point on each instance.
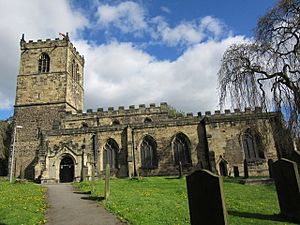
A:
(68, 207)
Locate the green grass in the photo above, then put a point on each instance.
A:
(163, 200)
(22, 203)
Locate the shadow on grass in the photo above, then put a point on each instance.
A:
(257, 216)
(173, 178)
(93, 198)
(81, 192)
(3, 224)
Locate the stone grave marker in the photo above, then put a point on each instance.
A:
(287, 182)
(180, 169)
(206, 198)
(84, 173)
(270, 162)
(107, 177)
(246, 171)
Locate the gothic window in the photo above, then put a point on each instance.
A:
(110, 152)
(147, 120)
(181, 149)
(148, 153)
(44, 63)
(252, 146)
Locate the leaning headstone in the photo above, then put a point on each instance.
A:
(246, 171)
(287, 182)
(107, 177)
(180, 169)
(270, 162)
(206, 198)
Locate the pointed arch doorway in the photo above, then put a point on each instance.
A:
(66, 172)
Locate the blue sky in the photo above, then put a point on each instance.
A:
(137, 52)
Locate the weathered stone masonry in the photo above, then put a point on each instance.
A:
(59, 141)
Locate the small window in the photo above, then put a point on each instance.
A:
(85, 125)
(147, 120)
(116, 122)
(44, 63)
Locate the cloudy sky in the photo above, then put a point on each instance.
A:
(143, 51)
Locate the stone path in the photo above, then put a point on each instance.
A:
(68, 207)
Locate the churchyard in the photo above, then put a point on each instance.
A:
(163, 200)
(202, 196)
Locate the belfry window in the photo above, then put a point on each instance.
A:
(252, 146)
(73, 69)
(148, 153)
(181, 149)
(110, 152)
(44, 63)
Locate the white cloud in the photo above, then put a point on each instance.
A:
(37, 19)
(189, 32)
(120, 74)
(165, 9)
(128, 16)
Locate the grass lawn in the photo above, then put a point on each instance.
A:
(163, 200)
(22, 203)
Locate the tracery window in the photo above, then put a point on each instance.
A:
(252, 146)
(148, 153)
(44, 63)
(110, 152)
(181, 149)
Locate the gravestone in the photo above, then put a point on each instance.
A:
(236, 171)
(287, 182)
(107, 177)
(206, 198)
(180, 169)
(93, 177)
(84, 173)
(246, 171)
(270, 162)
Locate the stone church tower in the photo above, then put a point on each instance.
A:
(50, 82)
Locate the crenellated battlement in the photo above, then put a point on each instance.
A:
(51, 43)
(163, 107)
(121, 110)
(228, 112)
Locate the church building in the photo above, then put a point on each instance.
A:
(59, 142)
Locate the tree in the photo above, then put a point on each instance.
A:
(266, 71)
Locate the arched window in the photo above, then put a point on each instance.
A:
(148, 153)
(44, 63)
(147, 120)
(181, 149)
(115, 122)
(252, 146)
(110, 152)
